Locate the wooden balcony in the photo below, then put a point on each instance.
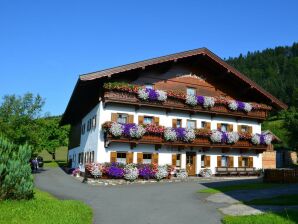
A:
(202, 142)
(176, 104)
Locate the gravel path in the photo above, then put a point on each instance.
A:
(159, 203)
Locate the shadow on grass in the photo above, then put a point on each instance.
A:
(247, 190)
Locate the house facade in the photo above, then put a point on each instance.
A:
(190, 110)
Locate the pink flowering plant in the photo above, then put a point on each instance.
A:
(147, 94)
(188, 135)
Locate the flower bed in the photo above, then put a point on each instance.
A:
(134, 131)
(206, 102)
(130, 171)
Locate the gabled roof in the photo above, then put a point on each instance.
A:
(89, 77)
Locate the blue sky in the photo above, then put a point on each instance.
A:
(46, 45)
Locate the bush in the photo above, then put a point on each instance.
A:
(16, 181)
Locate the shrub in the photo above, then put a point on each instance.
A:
(16, 181)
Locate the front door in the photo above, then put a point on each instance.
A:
(191, 163)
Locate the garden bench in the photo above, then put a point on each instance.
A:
(221, 171)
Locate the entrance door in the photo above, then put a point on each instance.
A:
(191, 163)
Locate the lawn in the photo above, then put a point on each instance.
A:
(286, 217)
(45, 209)
(247, 186)
(288, 199)
(54, 163)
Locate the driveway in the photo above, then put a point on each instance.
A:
(159, 203)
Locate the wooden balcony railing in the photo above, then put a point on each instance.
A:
(176, 104)
(203, 142)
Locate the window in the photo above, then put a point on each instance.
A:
(149, 86)
(179, 123)
(191, 91)
(245, 128)
(147, 158)
(121, 157)
(224, 127)
(148, 120)
(178, 160)
(203, 161)
(224, 161)
(92, 157)
(89, 125)
(191, 124)
(94, 121)
(244, 162)
(122, 118)
(83, 128)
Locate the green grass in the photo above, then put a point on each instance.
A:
(247, 186)
(288, 199)
(56, 163)
(45, 209)
(286, 217)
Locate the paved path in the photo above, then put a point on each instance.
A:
(234, 199)
(159, 203)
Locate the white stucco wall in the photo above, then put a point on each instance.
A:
(94, 140)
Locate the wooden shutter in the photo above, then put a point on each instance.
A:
(113, 157)
(250, 162)
(250, 129)
(154, 158)
(140, 158)
(231, 161)
(239, 161)
(207, 161)
(130, 118)
(156, 120)
(129, 157)
(219, 126)
(174, 123)
(141, 119)
(239, 127)
(218, 161)
(174, 159)
(114, 117)
(230, 127)
(208, 125)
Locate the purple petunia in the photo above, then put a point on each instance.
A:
(116, 172)
(240, 105)
(127, 127)
(152, 94)
(200, 100)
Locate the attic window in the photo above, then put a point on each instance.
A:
(149, 86)
(191, 91)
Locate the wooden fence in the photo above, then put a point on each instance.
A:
(281, 175)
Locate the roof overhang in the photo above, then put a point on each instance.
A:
(87, 83)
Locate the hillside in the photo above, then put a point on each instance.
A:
(276, 70)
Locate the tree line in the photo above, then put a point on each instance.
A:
(22, 122)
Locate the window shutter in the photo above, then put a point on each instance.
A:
(218, 161)
(113, 157)
(250, 162)
(174, 123)
(231, 161)
(208, 125)
(174, 159)
(156, 120)
(239, 161)
(219, 126)
(141, 119)
(130, 118)
(155, 158)
(140, 158)
(207, 161)
(250, 129)
(114, 117)
(230, 127)
(129, 157)
(239, 127)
